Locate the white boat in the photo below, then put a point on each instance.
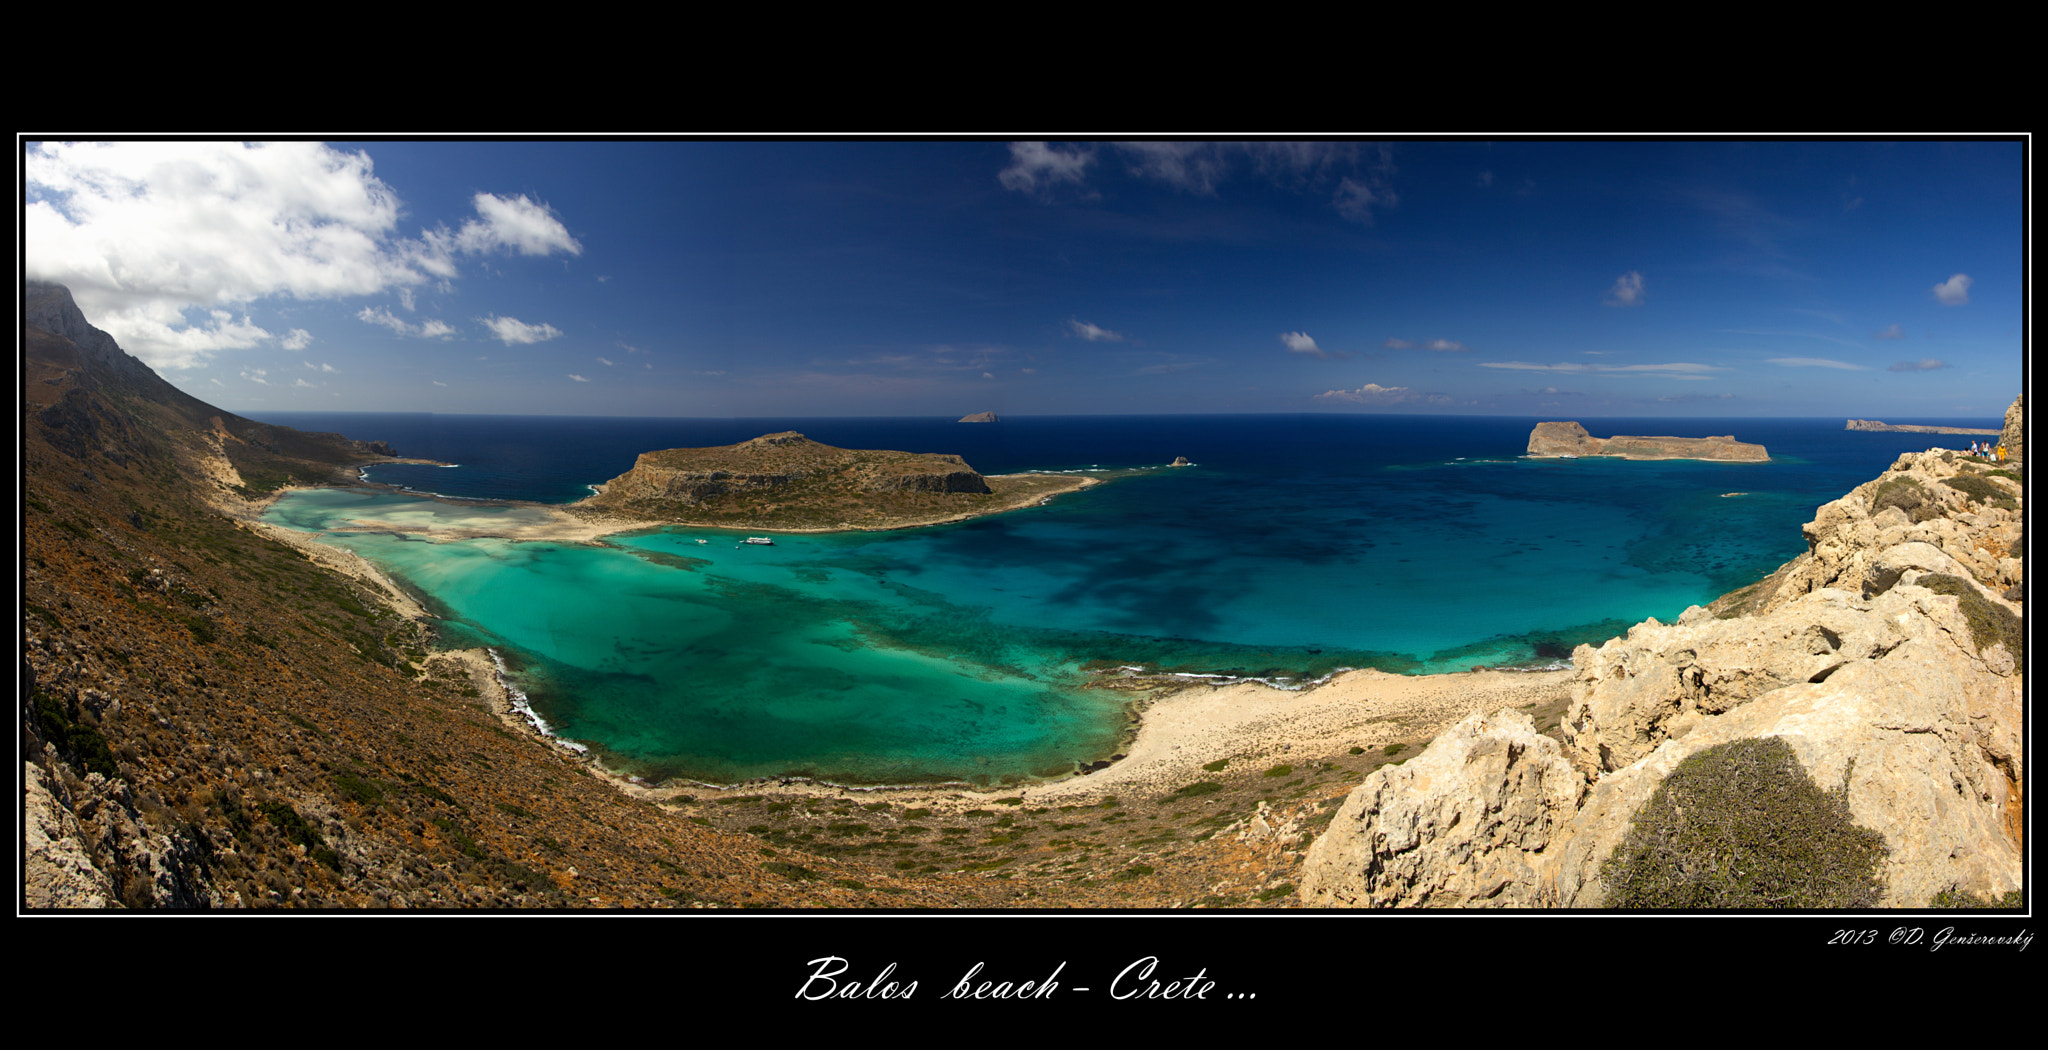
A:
(761, 541)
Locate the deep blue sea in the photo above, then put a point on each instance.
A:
(1295, 545)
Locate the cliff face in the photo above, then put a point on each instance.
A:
(1890, 658)
(1571, 439)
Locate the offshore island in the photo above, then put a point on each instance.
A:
(215, 716)
(788, 482)
(1570, 441)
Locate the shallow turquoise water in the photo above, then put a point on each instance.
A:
(1293, 547)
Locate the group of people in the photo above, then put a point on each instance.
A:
(1987, 450)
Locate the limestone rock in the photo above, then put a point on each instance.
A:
(1464, 824)
(1571, 439)
(2014, 436)
(1859, 653)
(981, 417)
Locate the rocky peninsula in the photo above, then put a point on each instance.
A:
(1570, 440)
(1912, 428)
(1880, 677)
(787, 481)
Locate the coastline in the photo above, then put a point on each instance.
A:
(1177, 730)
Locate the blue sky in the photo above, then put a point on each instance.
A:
(1597, 278)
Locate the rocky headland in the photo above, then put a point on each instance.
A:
(1912, 428)
(1889, 661)
(788, 481)
(1571, 440)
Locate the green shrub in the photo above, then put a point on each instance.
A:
(1216, 766)
(1908, 495)
(1278, 771)
(1199, 787)
(1977, 489)
(1953, 898)
(1742, 825)
(1989, 621)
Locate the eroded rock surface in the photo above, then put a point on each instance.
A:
(1890, 657)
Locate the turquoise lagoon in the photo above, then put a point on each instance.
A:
(966, 652)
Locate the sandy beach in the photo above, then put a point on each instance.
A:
(1178, 731)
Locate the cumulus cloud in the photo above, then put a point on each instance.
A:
(144, 232)
(578, 378)
(1926, 364)
(1447, 345)
(606, 361)
(1815, 362)
(1035, 167)
(1627, 290)
(437, 382)
(514, 224)
(322, 367)
(255, 375)
(1892, 332)
(1094, 333)
(1355, 199)
(510, 330)
(1301, 343)
(1955, 291)
(297, 339)
(1369, 394)
(302, 383)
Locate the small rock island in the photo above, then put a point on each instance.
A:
(1912, 428)
(981, 417)
(787, 481)
(1567, 440)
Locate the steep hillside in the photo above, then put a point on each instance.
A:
(211, 719)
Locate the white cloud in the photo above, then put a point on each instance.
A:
(1627, 290)
(1926, 364)
(1369, 394)
(1035, 167)
(1892, 332)
(323, 367)
(143, 232)
(423, 330)
(1447, 345)
(578, 378)
(1672, 370)
(510, 330)
(297, 339)
(1955, 291)
(437, 382)
(405, 299)
(1399, 344)
(1814, 362)
(1300, 343)
(514, 224)
(1094, 333)
(255, 375)
(604, 361)
(302, 383)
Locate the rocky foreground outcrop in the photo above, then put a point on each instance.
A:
(1572, 439)
(1890, 657)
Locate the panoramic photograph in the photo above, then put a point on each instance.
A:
(997, 526)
